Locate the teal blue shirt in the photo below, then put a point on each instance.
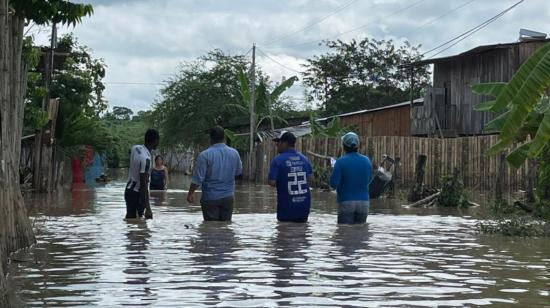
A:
(351, 177)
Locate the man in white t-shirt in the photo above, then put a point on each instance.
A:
(136, 194)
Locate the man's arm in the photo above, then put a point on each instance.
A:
(192, 189)
(273, 174)
(144, 190)
(336, 176)
(198, 177)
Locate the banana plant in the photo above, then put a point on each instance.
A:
(523, 107)
(265, 100)
(333, 129)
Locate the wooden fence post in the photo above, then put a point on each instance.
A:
(499, 189)
(416, 192)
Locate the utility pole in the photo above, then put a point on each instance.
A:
(40, 181)
(252, 113)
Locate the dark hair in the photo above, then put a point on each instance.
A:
(350, 149)
(157, 157)
(289, 138)
(151, 136)
(217, 134)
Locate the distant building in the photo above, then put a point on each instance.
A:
(448, 107)
(391, 120)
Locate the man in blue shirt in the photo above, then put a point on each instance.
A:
(215, 170)
(351, 177)
(290, 172)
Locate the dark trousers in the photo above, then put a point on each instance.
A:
(134, 204)
(217, 210)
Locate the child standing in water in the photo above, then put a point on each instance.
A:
(159, 175)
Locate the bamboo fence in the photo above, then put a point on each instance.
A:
(478, 171)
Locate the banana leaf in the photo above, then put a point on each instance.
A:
(519, 155)
(542, 137)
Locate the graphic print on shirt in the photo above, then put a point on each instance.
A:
(296, 179)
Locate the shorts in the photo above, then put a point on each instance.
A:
(353, 212)
(135, 207)
(217, 210)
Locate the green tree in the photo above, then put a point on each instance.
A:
(523, 110)
(268, 104)
(79, 87)
(15, 227)
(125, 133)
(362, 74)
(195, 99)
(122, 113)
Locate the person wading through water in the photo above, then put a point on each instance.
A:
(290, 172)
(351, 177)
(136, 194)
(159, 175)
(215, 170)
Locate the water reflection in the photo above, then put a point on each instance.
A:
(88, 255)
(290, 251)
(211, 251)
(158, 198)
(138, 271)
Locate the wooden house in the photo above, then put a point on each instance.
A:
(391, 120)
(448, 107)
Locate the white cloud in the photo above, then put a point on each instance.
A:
(143, 41)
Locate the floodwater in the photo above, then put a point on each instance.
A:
(88, 255)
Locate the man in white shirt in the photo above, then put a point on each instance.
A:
(136, 194)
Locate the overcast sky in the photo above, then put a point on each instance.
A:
(142, 41)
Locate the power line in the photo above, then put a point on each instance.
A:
(277, 62)
(310, 25)
(470, 32)
(396, 12)
(431, 21)
(248, 52)
(135, 83)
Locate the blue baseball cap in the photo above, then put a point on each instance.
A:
(351, 140)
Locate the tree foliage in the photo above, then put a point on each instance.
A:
(333, 129)
(524, 117)
(363, 74)
(523, 107)
(197, 98)
(51, 11)
(79, 87)
(122, 113)
(268, 104)
(125, 133)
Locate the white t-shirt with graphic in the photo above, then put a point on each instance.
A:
(140, 162)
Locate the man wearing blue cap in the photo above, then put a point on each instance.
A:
(351, 177)
(290, 172)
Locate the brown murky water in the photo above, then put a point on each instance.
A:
(88, 255)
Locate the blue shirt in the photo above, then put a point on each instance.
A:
(215, 170)
(351, 177)
(291, 170)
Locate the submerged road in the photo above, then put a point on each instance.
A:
(88, 255)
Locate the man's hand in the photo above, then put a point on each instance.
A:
(148, 213)
(190, 197)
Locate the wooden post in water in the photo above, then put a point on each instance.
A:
(416, 191)
(499, 189)
(531, 178)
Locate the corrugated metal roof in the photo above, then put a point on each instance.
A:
(298, 131)
(416, 101)
(476, 50)
(305, 129)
